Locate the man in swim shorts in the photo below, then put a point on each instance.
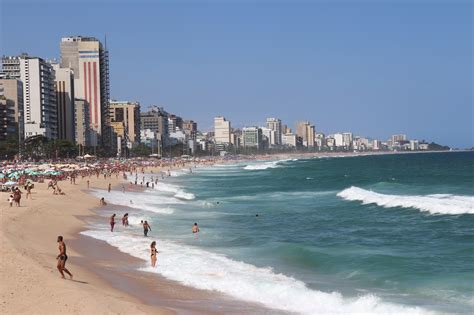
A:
(61, 258)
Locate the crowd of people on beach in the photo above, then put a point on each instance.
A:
(26, 174)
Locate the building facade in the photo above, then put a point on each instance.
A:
(269, 137)
(12, 90)
(127, 113)
(398, 138)
(289, 140)
(156, 119)
(64, 86)
(39, 95)
(89, 60)
(190, 128)
(82, 132)
(7, 119)
(252, 137)
(175, 123)
(275, 125)
(221, 130)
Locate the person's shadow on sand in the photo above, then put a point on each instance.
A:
(83, 282)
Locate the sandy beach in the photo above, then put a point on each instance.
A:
(30, 282)
(104, 282)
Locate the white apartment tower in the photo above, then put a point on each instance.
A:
(275, 124)
(221, 130)
(89, 60)
(39, 96)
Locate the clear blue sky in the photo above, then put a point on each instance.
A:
(371, 67)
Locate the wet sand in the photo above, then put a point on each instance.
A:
(105, 280)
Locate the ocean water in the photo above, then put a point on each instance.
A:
(372, 234)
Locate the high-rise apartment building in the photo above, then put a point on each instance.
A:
(343, 140)
(89, 60)
(319, 140)
(39, 96)
(305, 131)
(174, 123)
(12, 90)
(156, 119)
(64, 85)
(190, 128)
(7, 119)
(398, 138)
(275, 124)
(302, 130)
(310, 132)
(289, 140)
(269, 136)
(347, 139)
(252, 137)
(127, 113)
(82, 133)
(221, 130)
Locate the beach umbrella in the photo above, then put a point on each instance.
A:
(10, 183)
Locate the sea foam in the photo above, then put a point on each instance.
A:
(267, 165)
(434, 204)
(205, 270)
(139, 200)
(175, 190)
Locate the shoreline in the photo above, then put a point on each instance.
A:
(151, 289)
(28, 235)
(30, 280)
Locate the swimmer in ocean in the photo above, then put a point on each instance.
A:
(195, 228)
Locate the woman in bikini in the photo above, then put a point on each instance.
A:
(112, 222)
(153, 253)
(125, 219)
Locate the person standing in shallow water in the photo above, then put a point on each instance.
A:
(125, 219)
(112, 222)
(146, 227)
(195, 228)
(153, 253)
(61, 258)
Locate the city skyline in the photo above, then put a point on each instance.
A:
(352, 91)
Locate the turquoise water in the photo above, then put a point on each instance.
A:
(381, 231)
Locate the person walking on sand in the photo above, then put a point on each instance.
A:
(61, 258)
(110, 187)
(17, 196)
(195, 228)
(153, 253)
(88, 184)
(28, 192)
(112, 222)
(146, 227)
(10, 200)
